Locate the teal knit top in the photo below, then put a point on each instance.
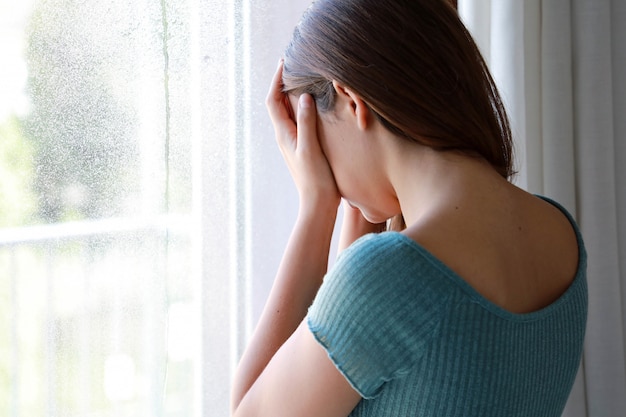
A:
(414, 339)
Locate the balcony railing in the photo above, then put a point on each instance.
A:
(89, 305)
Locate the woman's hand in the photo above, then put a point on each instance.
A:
(300, 147)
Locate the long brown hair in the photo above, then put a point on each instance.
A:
(413, 62)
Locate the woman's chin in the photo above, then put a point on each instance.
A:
(368, 215)
(373, 218)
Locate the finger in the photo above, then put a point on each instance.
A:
(278, 106)
(275, 100)
(306, 122)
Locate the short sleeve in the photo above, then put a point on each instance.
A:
(377, 310)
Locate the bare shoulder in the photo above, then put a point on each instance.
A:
(552, 224)
(550, 228)
(517, 250)
(553, 235)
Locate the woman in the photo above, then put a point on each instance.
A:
(475, 303)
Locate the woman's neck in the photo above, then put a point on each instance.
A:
(427, 181)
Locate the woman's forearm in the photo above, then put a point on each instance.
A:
(299, 277)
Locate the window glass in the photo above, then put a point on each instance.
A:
(144, 205)
(97, 305)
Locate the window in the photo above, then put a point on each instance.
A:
(143, 204)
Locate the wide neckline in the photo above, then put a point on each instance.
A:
(490, 305)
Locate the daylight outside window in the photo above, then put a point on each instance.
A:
(144, 205)
(97, 304)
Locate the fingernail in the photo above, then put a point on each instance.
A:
(305, 101)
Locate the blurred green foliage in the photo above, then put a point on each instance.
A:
(17, 200)
(67, 306)
(82, 138)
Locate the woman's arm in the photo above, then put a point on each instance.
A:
(284, 371)
(299, 276)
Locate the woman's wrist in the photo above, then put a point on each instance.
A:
(319, 209)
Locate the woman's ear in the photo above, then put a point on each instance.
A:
(357, 107)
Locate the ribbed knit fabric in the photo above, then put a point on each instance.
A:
(414, 339)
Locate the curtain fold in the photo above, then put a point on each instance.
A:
(561, 68)
(597, 190)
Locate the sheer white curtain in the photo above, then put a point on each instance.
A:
(561, 67)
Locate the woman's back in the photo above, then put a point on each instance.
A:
(415, 338)
(516, 249)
